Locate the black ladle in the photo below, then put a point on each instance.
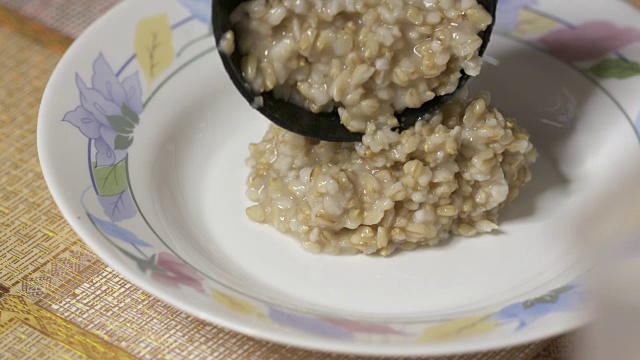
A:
(321, 126)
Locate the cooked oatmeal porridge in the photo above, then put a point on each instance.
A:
(449, 174)
(366, 58)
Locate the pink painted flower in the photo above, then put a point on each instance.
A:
(589, 41)
(176, 273)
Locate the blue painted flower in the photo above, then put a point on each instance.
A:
(200, 9)
(566, 298)
(308, 324)
(508, 13)
(118, 232)
(106, 97)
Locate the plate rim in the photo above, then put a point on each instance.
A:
(91, 238)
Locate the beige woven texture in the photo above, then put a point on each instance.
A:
(57, 299)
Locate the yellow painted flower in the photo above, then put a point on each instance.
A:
(154, 45)
(531, 24)
(457, 329)
(235, 304)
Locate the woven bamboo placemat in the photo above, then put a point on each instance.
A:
(58, 300)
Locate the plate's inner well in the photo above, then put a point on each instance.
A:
(188, 175)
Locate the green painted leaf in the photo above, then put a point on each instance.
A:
(561, 290)
(549, 298)
(546, 299)
(143, 264)
(124, 124)
(130, 114)
(527, 304)
(615, 69)
(111, 180)
(121, 124)
(123, 142)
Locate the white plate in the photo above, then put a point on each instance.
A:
(168, 211)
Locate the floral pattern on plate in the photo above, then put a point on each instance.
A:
(111, 106)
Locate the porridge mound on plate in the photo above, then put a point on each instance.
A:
(367, 58)
(449, 174)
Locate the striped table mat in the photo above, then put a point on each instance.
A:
(58, 300)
